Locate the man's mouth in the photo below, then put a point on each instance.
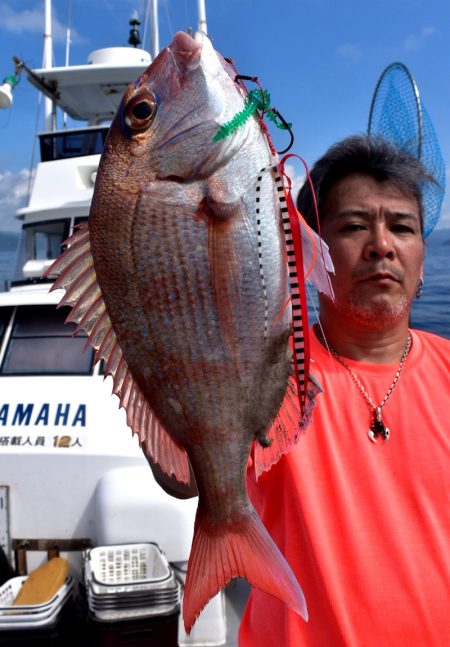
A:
(383, 277)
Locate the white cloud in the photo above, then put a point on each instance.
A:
(31, 21)
(296, 178)
(415, 42)
(13, 195)
(350, 51)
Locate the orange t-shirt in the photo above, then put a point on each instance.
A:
(365, 526)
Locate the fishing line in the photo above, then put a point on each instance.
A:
(319, 323)
(316, 312)
(258, 101)
(294, 254)
(260, 260)
(316, 211)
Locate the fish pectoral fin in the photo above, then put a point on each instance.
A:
(227, 225)
(245, 549)
(77, 277)
(287, 427)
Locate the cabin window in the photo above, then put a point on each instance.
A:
(79, 221)
(72, 143)
(41, 344)
(44, 239)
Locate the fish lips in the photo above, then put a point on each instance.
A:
(187, 51)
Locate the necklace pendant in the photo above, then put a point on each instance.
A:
(378, 428)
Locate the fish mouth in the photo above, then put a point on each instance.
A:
(187, 51)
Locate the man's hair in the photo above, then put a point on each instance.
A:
(367, 155)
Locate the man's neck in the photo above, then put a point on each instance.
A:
(381, 345)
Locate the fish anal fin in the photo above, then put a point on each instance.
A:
(287, 427)
(77, 277)
(243, 549)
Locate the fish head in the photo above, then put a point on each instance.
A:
(168, 119)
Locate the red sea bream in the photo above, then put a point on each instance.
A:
(180, 280)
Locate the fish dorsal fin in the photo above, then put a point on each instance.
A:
(78, 279)
(287, 427)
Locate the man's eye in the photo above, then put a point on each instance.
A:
(352, 226)
(402, 229)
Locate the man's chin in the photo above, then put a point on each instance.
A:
(377, 313)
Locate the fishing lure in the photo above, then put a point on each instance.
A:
(258, 100)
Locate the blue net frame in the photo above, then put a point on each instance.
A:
(397, 114)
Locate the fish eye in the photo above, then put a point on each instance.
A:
(142, 110)
(139, 114)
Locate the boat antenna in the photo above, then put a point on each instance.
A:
(47, 63)
(68, 44)
(68, 33)
(155, 28)
(202, 17)
(135, 37)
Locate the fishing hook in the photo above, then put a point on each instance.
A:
(286, 126)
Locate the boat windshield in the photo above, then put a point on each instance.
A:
(44, 239)
(65, 144)
(40, 343)
(41, 241)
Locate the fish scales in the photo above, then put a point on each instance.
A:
(190, 260)
(185, 363)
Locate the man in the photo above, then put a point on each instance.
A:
(361, 506)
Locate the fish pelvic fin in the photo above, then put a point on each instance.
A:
(76, 275)
(243, 549)
(289, 424)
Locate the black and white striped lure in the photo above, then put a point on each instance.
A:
(292, 234)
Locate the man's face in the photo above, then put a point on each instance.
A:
(373, 232)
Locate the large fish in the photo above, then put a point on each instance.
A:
(181, 282)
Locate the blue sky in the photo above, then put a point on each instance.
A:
(319, 59)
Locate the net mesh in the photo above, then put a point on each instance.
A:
(398, 115)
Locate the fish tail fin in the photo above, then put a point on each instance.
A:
(244, 549)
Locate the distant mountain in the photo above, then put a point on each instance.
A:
(8, 241)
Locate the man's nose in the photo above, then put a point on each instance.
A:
(380, 243)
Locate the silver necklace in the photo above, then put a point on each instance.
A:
(378, 428)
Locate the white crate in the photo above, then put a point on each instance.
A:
(127, 563)
(21, 616)
(129, 581)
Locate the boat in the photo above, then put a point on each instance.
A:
(72, 478)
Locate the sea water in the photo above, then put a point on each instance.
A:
(431, 312)
(7, 259)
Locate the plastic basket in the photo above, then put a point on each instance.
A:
(11, 588)
(129, 581)
(135, 589)
(15, 617)
(128, 563)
